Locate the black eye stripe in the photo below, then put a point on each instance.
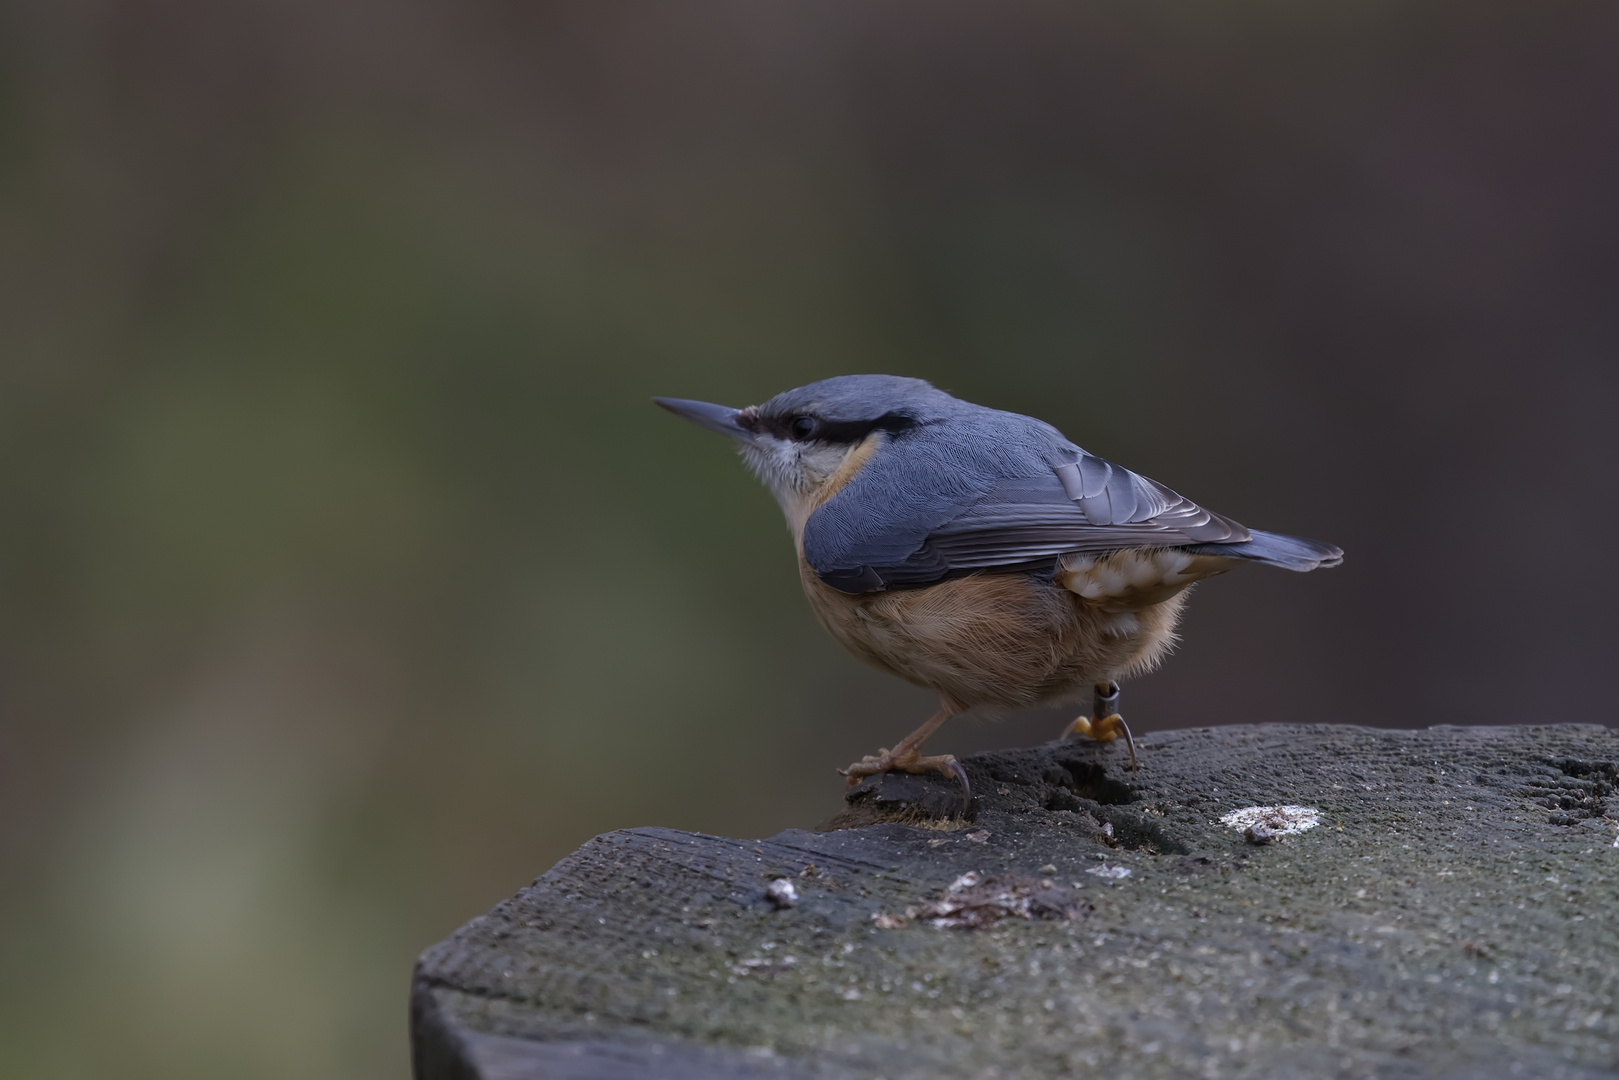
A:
(853, 431)
(836, 431)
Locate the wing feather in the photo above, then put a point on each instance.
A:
(1083, 504)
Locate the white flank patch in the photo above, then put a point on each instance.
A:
(1275, 820)
(1106, 871)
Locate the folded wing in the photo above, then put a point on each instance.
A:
(1078, 503)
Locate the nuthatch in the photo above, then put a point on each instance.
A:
(979, 553)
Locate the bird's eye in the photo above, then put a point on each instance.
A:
(802, 427)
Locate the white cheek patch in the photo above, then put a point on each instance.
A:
(819, 461)
(794, 473)
(776, 465)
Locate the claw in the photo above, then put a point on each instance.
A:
(914, 763)
(1109, 728)
(906, 757)
(1103, 729)
(1129, 741)
(955, 769)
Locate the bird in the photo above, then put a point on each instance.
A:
(979, 553)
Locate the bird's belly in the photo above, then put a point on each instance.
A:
(1002, 639)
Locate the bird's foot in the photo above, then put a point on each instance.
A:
(912, 762)
(1105, 729)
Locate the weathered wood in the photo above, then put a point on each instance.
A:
(1455, 914)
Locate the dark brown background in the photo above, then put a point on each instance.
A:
(348, 578)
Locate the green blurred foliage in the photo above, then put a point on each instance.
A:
(349, 578)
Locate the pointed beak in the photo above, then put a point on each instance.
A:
(720, 418)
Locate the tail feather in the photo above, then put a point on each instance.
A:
(1274, 549)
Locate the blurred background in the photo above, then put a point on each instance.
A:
(348, 577)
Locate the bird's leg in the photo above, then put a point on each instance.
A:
(907, 757)
(1104, 724)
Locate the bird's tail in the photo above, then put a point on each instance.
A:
(1274, 549)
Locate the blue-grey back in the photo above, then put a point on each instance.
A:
(973, 488)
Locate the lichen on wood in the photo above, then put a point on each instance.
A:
(1454, 912)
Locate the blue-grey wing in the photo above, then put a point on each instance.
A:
(1073, 502)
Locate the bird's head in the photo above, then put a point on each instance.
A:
(806, 443)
